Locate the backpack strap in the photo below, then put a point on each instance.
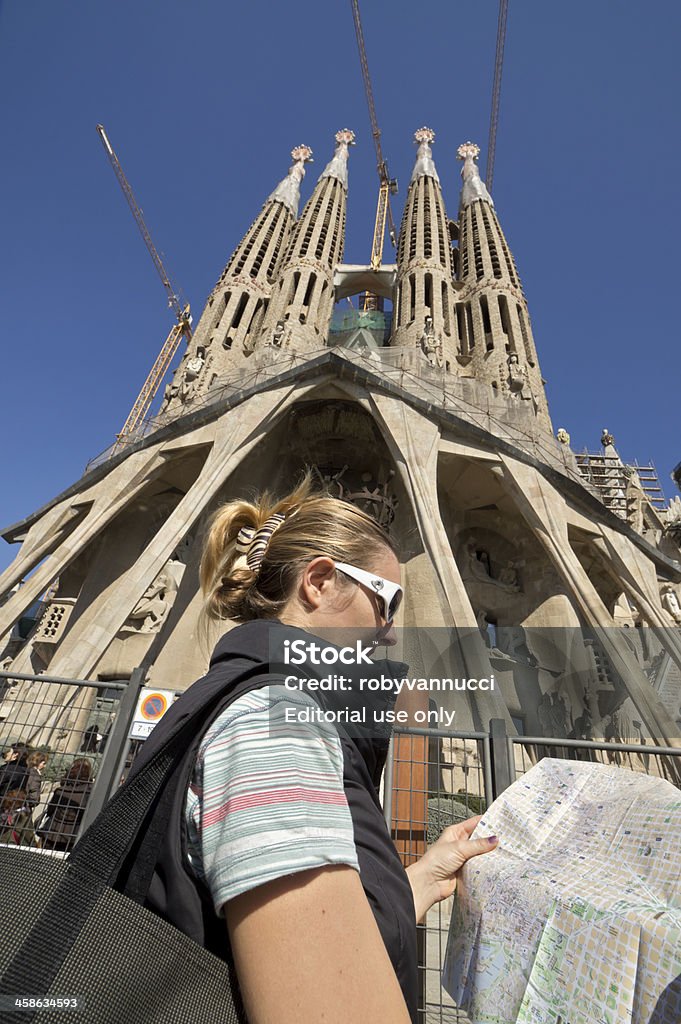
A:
(120, 846)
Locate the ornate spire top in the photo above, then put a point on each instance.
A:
(338, 166)
(424, 158)
(288, 190)
(473, 188)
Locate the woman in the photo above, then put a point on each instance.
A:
(282, 859)
(59, 827)
(35, 763)
(14, 772)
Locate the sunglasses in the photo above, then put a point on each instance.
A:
(389, 594)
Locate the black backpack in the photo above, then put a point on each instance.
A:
(72, 930)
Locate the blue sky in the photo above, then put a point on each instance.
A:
(203, 102)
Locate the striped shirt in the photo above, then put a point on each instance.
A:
(266, 799)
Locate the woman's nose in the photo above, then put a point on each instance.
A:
(387, 636)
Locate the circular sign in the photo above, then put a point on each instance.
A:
(153, 707)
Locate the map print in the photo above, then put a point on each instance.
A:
(576, 917)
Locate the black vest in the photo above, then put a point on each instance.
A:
(240, 661)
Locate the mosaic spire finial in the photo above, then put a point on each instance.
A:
(338, 166)
(424, 165)
(288, 190)
(473, 187)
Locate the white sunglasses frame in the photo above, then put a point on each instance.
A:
(384, 589)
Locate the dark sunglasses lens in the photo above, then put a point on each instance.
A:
(394, 605)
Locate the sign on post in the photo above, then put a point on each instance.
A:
(151, 707)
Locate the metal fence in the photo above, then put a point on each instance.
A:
(435, 778)
(64, 745)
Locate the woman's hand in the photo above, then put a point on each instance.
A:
(433, 877)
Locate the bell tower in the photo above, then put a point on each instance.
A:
(493, 322)
(235, 308)
(424, 290)
(300, 310)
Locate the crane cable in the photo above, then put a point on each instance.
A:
(174, 302)
(496, 92)
(383, 174)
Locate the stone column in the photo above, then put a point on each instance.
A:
(413, 441)
(544, 509)
(109, 496)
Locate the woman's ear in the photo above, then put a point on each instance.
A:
(318, 574)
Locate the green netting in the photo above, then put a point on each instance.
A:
(357, 328)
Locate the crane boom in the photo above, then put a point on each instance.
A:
(151, 385)
(388, 186)
(173, 300)
(182, 329)
(496, 92)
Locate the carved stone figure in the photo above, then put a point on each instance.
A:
(544, 711)
(431, 346)
(673, 525)
(509, 576)
(563, 436)
(670, 602)
(618, 729)
(560, 720)
(192, 371)
(583, 725)
(184, 384)
(607, 438)
(171, 392)
(278, 334)
(518, 383)
(481, 617)
(640, 739)
(479, 562)
(623, 725)
(635, 499)
(151, 610)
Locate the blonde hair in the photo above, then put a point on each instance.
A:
(314, 524)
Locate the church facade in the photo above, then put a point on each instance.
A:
(433, 417)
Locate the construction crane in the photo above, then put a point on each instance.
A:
(182, 329)
(496, 92)
(388, 185)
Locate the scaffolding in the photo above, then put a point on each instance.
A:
(610, 476)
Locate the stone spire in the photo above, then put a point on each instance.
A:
(494, 334)
(237, 304)
(299, 311)
(288, 190)
(425, 294)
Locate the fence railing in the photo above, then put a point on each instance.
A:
(62, 741)
(433, 778)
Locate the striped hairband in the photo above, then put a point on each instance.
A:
(253, 543)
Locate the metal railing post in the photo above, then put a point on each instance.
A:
(502, 765)
(116, 748)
